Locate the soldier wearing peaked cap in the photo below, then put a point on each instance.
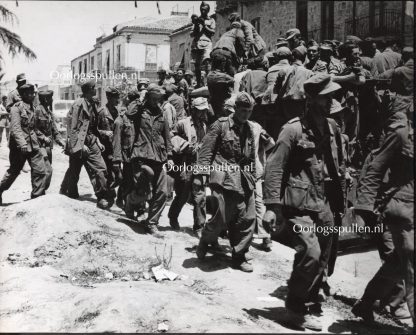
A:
(85, 148)
(152, 147)
(142, 84)
(293, 37)
(281, 42)
(229, 146)
(177, 101)
(106, 117)
(24, 144)
(14, 95)
(192, 130)
(46, 130)
(307, 156)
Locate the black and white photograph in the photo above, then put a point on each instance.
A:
(230, 166)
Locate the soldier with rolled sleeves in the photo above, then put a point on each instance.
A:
(396, 158)
(192, 131)
(24, 144)
(14, 95)
(303, 188)
(106, 117)
(227, 156)
(85, 148)
(152, 147)
(202, 32)
(47, 131)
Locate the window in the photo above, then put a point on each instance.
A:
(376, 16)
(92, 63)
(85, 66)
(256, 24)
(302, 17)
(151, 57)
(107, 61)
(99, 61)
(327, 20)
(118, 56)
(80, 67)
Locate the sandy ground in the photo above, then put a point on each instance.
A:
(66, 266)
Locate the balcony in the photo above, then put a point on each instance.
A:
(385, 23)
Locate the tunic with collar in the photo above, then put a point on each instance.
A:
(228, 150)
(83, 128)
(106, 118)
(46, 126)
(301, 165)
(22, 127)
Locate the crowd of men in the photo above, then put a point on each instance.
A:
(283, 138)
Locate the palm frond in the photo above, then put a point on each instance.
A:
(8, 16)
(14, 44)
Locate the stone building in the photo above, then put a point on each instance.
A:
(134, 49)
(322, 20)
(180, 47)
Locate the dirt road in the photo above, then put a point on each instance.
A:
(67, 266)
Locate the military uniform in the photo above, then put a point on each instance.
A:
(193, 134)
(397, 207)
(46, 128)
(12, 98)
(318, 66)
(220, 87)
(152, 147)
(230, 148)
(83, 130)
(106, 117)
(232, 47)
(22, 134)
(303, 176)
(123, 139)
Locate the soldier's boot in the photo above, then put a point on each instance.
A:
(201, 250)
(363, 310)
(174, 224)
(267, 244)
(153, 230)
(400, 311)
(302, 321)
(328, 290)
(217, 249)
(240, 263)
(102, 203)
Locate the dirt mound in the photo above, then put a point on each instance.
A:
(67, 266)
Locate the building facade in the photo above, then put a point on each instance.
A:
(135, 49)
(321, 20)
(180, 48)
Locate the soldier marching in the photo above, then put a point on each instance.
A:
(275, 136)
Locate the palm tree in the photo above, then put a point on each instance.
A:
(11, 40)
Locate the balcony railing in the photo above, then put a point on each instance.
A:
(385, 23)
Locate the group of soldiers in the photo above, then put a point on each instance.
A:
(324, 111)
